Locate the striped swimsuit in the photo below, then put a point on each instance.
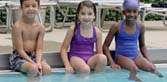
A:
(126, 44)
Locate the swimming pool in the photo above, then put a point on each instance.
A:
(108, 76)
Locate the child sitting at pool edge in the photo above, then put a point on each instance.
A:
(128, 33)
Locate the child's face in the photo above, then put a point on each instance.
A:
(30, 8)
(131, 14)
(86, 15)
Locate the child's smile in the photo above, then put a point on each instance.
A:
(86, 15)
(30, 8)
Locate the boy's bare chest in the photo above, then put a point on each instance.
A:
(30, 34)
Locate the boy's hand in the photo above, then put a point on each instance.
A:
(69, 69)
(39, 68)
(115, 66)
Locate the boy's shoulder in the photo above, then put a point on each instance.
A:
(20, 24)
(17, 26)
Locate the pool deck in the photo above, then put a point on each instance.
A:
(154, 39)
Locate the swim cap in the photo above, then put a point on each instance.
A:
(130, 3)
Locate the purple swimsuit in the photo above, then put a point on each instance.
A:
(81, 46)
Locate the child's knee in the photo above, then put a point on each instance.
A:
(33, 70)
(85, 69)
(102, 58)
(46, 69)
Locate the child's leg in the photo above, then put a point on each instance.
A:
(145, 65)
(129, 64)
(29, 68)
(98, 61)
(79, 64)
(46, 69)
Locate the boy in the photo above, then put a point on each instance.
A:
(27, 39)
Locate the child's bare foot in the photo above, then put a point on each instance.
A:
(158, 73)
(136, 79)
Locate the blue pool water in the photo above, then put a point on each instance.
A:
(108, 76)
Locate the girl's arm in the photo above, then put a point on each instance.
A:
(98, 41)
(64, 48)
(113, 30)
(142, 46)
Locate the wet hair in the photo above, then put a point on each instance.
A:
(85, 3)
(21, 2)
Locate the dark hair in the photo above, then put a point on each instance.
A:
(86, 3)
(21, 2)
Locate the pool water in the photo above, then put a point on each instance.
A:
(107, 76)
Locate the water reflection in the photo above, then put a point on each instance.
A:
(45, 78)
(34, 79)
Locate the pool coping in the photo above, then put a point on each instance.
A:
(62, 70)
(54, 60)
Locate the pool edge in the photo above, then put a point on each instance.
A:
(62, 70)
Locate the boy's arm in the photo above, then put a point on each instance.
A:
(142, 46)
(39, 44)
(65, 46)
(18, 43)
(113, 30)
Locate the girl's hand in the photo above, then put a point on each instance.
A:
(115, 66)
(69, 69)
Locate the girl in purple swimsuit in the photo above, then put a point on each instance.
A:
(81, 38)
(127, 33)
